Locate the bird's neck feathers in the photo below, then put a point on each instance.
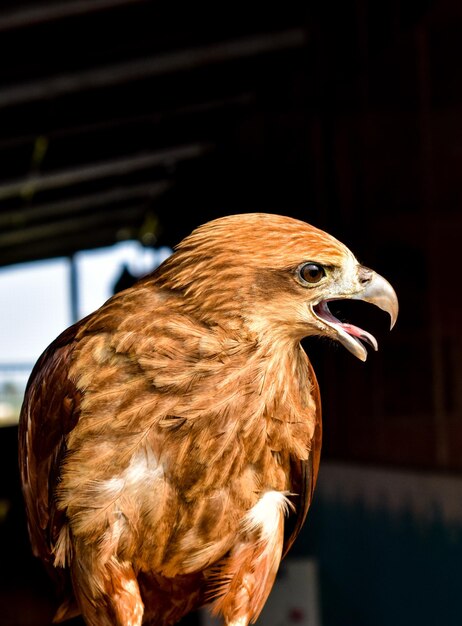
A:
(286, 378)
(250, 376)
(222, 326)
(232, 363)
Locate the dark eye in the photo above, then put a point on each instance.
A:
(311, 272)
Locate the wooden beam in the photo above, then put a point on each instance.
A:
(80, 224)
(171, 115)
(95, 171)
(19, 218)
(167, 63)
(32, 15)
(66, 244)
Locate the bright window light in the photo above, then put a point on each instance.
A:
(35, 307)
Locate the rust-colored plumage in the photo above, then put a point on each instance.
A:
(170, 441)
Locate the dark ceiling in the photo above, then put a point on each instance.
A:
(141, 119)
(135, 119)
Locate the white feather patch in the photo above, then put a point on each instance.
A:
(265, 515)
(240, 621)
(144, 466)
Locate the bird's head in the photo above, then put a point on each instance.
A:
(276, 276)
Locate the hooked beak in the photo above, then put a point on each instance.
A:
(374, 289)
(378, 291)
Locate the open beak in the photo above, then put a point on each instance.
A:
(376, 290)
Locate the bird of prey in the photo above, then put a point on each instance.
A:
(169, 442)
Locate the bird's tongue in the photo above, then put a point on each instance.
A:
(354, 331)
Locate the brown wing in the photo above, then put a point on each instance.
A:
(304, 474)
(50, 410)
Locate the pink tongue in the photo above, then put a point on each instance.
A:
(352, 330)
(361, 334)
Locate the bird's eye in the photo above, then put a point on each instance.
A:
(311, 272)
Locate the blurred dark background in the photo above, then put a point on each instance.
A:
(139, 120)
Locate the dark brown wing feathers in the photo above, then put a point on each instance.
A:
(304, 474)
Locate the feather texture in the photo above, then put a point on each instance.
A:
(170, 442)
